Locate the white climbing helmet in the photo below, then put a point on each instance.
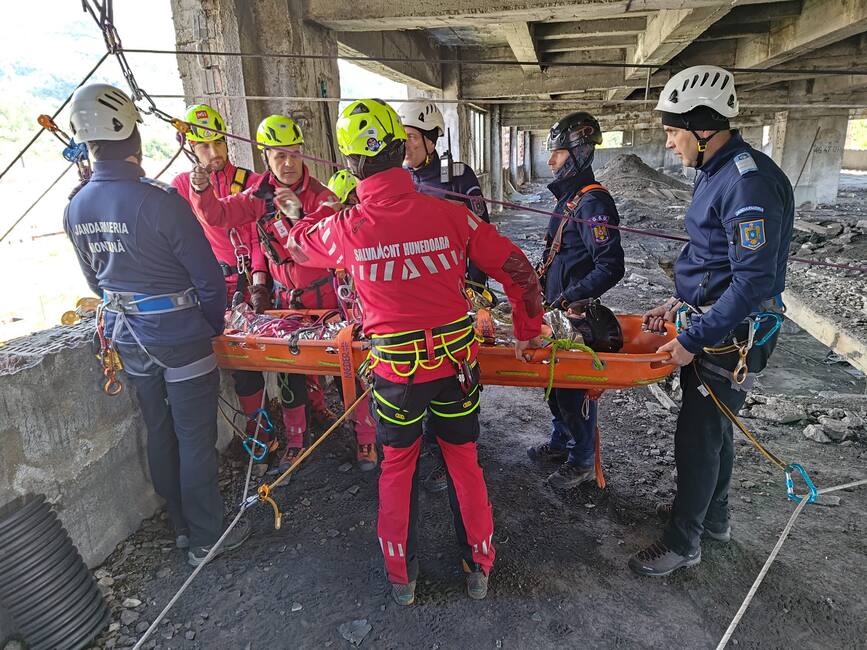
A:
(423, 115)
(700, 85)
(102, 112)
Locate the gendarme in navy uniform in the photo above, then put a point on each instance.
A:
(583, 258)
(727, 305)
(424, 163)
(164, 298)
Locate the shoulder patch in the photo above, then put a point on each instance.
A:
(165, 187)
(745, 163)
(749, 208)
(752, 234)
(600, 228)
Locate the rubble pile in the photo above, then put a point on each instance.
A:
(825, 423)
(628, 175)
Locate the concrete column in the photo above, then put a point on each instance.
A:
(809, 145)
(264, 26)
(513, 156)
(752, 135)
(496, 160)
(457, 116)
(528, 158)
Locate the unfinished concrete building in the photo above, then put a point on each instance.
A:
(497, 67)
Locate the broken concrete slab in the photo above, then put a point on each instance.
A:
(815, 432)
(778, 410)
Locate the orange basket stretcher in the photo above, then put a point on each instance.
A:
(636, 364)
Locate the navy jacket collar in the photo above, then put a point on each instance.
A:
(116, 170)
(727, 152)
(565, 187)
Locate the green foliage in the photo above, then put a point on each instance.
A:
(856, 136)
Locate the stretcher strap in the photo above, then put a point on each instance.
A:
(347, 364)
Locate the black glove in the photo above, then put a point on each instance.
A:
(260, 298)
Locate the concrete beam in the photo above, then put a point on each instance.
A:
(480, 83)
(496, 159)
(763, 13)
(520, 38)
(668, 33)
(615, 41)
(826, 330)
(631, 25)
(820, 23)
(367, 15)
(590, 56)
(393, 44)
(721, 33)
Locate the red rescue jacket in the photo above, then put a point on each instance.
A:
(407, 254)
(230, 180)
(317, 290)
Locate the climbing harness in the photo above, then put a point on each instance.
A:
(426, 349)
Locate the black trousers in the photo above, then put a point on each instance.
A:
(703, 447)
(181, 420)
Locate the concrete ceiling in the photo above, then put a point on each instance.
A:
(735, 33)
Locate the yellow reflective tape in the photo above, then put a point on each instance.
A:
(280, 359)
(233, 356)
(456, 415)
(518, 373)
(330, 364)
(398, 422)
(586, 378)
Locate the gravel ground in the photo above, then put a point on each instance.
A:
(561, 578)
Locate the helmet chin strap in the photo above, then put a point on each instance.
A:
(702, 146)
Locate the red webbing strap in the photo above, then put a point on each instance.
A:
(347, 367)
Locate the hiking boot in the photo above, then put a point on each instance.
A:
(403, 595)
(658, 560)
(367, 457)
(239, 534)
(717, 532)
(436, 480)
(289, 456)
(545, 453)
(477, 584)
(570, 476)
(182, 541)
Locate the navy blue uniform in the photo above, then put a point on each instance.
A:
(589, 263)
(464, 181)
(739, 224)
(590, 260)
(137, 236)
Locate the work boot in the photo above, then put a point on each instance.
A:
(182, 541)
(477, 582)
(290, 454)
(403, 595)
(367, 457)
(239, 534)
(545, 453)
(717, 532)
(658, 560)
(436, 480)
(570, 476)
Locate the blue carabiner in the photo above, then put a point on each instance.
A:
(268, 426)
(760, 317)
(790, 486)
(252, 443)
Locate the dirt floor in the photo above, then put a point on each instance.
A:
(561, 578)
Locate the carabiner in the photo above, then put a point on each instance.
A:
(251, 443)
(268, 426)
(790, 486)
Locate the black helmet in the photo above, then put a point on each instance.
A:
(574, 129)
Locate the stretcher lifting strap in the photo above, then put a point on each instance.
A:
(348, 371)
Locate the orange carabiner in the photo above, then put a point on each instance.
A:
(47, 123)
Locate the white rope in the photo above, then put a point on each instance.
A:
(773, 556)
(214, 548)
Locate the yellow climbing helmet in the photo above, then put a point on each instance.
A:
(278, 131)
(367, 126)
(342, 183)
(201, 119)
